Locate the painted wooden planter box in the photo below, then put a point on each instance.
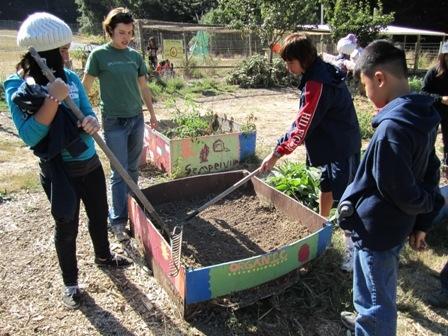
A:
(192, 286)
(200, 155)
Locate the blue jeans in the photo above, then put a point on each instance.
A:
(375, 291)
(124, 136)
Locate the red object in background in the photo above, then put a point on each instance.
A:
(276, 47)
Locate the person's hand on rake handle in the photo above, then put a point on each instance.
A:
(90, 125)
(269, 162)
(58, 89)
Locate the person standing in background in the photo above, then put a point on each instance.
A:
(122, 75)
(435, 83)
(152, 52)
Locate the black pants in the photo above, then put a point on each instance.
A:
(91, 189)
(444, 127)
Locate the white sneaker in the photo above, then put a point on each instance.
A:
(347, 262)
(119, 232)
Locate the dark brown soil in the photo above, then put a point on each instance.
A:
(238, 227)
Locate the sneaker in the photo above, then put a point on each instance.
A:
(348, 320)
(438, 299)
(71, 297)
(114, 260)
(347, 262)
(119, 232)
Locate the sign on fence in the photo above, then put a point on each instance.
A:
(173, 50)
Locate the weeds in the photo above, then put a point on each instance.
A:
(177, 86)
(257, 72)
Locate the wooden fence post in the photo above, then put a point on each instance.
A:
(140, 37)
(417, 52)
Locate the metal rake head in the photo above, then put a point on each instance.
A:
(176, 250)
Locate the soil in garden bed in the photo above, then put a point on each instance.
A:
(237, 227)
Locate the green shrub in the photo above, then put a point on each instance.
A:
(365, 123)
(297, 180)
(415, 84)
(256, 72)
(174, 84)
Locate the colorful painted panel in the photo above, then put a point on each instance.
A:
(157, 249)
(201, 155)
(247, 145)
(205, 155)
(157, 148)
(210, 282)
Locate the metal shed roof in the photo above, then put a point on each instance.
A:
(389, 30)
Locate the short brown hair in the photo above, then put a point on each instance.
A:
(116, 16)
(298, 46)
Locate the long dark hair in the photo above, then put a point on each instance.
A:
(441, 65)
(54, 60)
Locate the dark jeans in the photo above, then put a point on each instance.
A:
(444, 127)
(444, 278)
(91, 189)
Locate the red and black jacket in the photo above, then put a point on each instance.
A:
(326, 122)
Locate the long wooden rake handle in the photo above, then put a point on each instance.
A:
(110, 155)
(221, 195)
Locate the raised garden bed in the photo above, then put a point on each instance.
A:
(238, 227)
(258, 254)
(224, 149)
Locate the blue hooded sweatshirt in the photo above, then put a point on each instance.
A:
(395, 189)
(326, 121)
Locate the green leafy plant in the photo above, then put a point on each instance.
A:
(249, 124)
(365, 124)
(188, 122)
(415, 84)
(298, 181)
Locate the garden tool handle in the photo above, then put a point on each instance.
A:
(110, 155)
(222, 195)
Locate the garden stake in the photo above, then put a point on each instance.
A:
(177, 234)
(110, 155)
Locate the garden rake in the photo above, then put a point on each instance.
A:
(110, 155)
(176, 237)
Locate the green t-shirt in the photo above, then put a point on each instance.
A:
(117, 71)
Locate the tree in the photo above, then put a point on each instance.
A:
(357, 17)
(92, 14)
(269, 19)
(93, 11)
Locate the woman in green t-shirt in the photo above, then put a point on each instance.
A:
(122, 73)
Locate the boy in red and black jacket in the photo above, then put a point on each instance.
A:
(326, 123)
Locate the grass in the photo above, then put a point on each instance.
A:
(177, 86)
(21, 175)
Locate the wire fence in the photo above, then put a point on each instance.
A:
(206, 47)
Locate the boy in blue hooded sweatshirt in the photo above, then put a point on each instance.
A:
(395, 191)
